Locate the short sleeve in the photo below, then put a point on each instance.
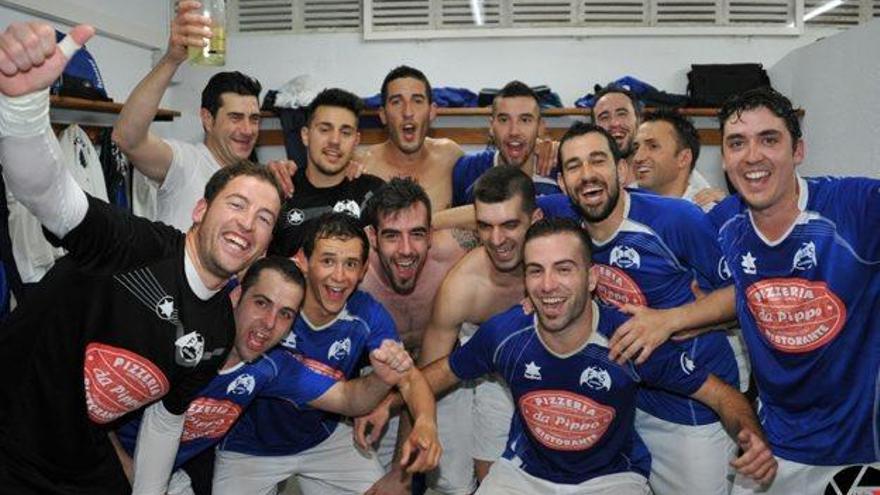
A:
(476, 357)
(694, 240)
(183, 162)
(295, 382)
(382, 326)
(671, 368)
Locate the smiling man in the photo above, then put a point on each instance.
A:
(337, 329)
(647, 251)
(135, 316)
(331, 136)
(572, 430)
(619, 111)
(804, 258)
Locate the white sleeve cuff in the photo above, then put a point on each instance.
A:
(24, 116)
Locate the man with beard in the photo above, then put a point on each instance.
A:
(407, 112)
(331, 136)
(647, 249)
(404, 276)
(135, 315)
(265, 307)
(572, 431)
(513, 126)
(230, 116)
(333, 335)
(485, 282)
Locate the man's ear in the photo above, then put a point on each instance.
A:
(594, 280)
(304, 135)
(235, 296)
(207, 119)
(371, 235)
(382, 116)
(537, 215)
(198, 213)
(684, 158)
(800, 152)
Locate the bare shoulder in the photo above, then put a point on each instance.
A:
(446, 150)
(468, 275)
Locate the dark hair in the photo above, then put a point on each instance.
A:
(283, 266)
(395, 195)
(581, 128)
(560, 225)
(335, 97)
(336, 225)
(765, 97)
(401, 72)
(634, 100)
(242, 168)
(685, 133)
(228, 82)
(504, 182)
(515, 89)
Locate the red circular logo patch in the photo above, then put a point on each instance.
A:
(796, 315)
(209, 418)
(615, 287)
(118, 381)
(562, 420)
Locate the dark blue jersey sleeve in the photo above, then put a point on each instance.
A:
(694, 240)
(476, 357)
(294, 382)
(670, 368)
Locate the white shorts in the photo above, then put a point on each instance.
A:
(179, 484)
(493, 410)
(506, 479)
(740, 354)
(793, 477)
(335, 466)
(455, 473)
(687, 459)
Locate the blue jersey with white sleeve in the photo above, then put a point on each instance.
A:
(809, 305)
(471, 166)
(212, 413)
(662, 245)
(574, 413)
(337, 350)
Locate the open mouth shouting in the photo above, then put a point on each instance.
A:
(409, 131)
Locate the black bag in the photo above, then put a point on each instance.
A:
(711, 85)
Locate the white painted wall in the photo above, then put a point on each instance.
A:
(837, 81)
(122, 64)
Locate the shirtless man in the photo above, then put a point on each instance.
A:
(407, 111)
(487, 281)
(404, 274)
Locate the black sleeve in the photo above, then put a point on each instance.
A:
(109, 240)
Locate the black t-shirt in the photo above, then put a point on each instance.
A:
(309, 202)
(112, 327)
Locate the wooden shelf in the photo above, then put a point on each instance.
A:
(83, 105)
(371, 133)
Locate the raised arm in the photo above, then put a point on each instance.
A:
(30, 61)
(148, 153)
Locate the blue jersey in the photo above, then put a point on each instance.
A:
(471, 166)
(279, 374)
(809, 305)
(337, 350)
(661, 246)
(574, 414)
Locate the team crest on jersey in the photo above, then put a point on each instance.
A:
(533, 371)
(165, 308)
(295, 217)
(748, 264)
(596, 378)
(242, 385)
(805, 257)
(347, 206)
(687, 364)
(190, 349)
(340, 349)
(723, 269)
(289, 341)
(625, 257)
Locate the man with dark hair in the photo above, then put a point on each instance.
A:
(619, 111)
(485, 282)
(514, 127)
(665, 153)
(136, 316)
(647, 251)
(331, 136)
(404, 276)
(572, 429)
(336, 330)
(407, 112)
(230, 116)
(804, 257)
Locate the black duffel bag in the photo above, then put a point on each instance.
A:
(711, 85)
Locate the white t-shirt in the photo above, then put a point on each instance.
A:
(697, 183)
(191, 167)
